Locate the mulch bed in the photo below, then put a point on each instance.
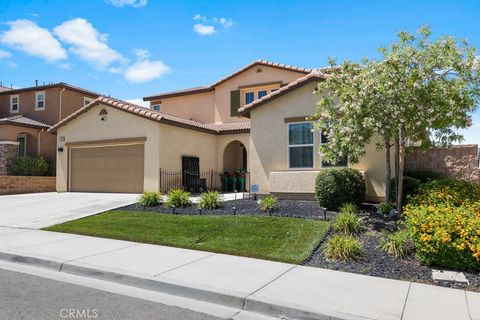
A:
(288, 208)
(379, 264)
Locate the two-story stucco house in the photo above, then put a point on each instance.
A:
(254, 118)
(27, 113)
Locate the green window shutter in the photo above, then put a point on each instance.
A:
(234, 102)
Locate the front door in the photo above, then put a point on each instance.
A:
(191, 173)
(22, 145)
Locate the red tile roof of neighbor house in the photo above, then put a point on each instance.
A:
(318, 74)
(221, 128)
(24, 122)
(53, 85)
(212, 86)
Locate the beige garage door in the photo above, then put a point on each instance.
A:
(115, 168)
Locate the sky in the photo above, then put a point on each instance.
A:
(133, 48)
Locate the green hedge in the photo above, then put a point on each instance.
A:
(33, 166)
(337, 186)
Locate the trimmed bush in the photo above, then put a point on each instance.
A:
(178, 198)
(210, 200)
(335, 187)
(31, 166)
(410, 187)
(343, 248)
(348, 222)
(397, 244)
(269, 204)
(149, 199)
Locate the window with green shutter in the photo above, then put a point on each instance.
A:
(234, 102)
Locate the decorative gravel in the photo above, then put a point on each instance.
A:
(288, 208)
(379, 264)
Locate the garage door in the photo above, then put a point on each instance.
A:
(114, 168)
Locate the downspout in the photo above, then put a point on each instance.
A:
(60, 105)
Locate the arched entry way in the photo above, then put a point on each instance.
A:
(234, 157)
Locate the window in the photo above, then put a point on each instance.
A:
(341, 163)
(300, 145)
(87, 100)
(249, 97)
(156, 107)
(40, 100)
(262, 93)
(14, 103)
(22, 144)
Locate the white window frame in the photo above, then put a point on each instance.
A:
(300, 145)
(11, 103)
(23, 136)
(87, 100)
(37, 101)
(156, 105)
(258, 93)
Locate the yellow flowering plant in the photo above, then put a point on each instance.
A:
(443, 221)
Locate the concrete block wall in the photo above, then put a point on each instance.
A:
(24, 184)
(460, 161)
(8, 155)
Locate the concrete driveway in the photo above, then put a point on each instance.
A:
(39, 210)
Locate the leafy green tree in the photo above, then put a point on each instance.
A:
(418, 90)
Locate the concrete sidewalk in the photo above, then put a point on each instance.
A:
(264, 287)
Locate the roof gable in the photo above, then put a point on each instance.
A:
(211, 87)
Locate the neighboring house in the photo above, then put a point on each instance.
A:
(254, 118)
(27, 113)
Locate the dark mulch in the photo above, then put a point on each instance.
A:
(379, 264)
(288, 208)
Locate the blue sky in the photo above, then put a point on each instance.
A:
(133, 48)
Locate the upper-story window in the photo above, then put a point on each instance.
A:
(40, 100)
(262, 93)
(156, 107)
(14, 103)
(300, 145)
(87, 100)
(249, 97)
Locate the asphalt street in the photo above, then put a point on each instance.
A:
(24, 296)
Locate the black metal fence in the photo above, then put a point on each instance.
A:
(197, 182)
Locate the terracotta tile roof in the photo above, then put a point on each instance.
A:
(212, 86)
(312, 76)
(53, 85)
(161, 117)
(24, 121)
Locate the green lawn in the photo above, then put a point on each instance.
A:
(281, 239)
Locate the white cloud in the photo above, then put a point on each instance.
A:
(26, 36)
(132, 3)
(141, 53)
(5, 54)
(145, 70)
(204, 30)
(139, 102)
(199, 17)
(225, 22)
(87, 43)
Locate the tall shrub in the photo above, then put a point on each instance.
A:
(31, 166)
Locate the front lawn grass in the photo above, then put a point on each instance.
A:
(272, 238)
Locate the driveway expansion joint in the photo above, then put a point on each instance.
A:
(186, 264)
(406, 299)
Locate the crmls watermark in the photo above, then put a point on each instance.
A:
(78, 313)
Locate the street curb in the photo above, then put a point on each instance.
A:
(232, 299)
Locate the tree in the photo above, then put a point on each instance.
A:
(418, 90)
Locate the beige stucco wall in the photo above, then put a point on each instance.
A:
(199, 107)
(269, 147)
(119, 125)
(248, 77)
(164, 147)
